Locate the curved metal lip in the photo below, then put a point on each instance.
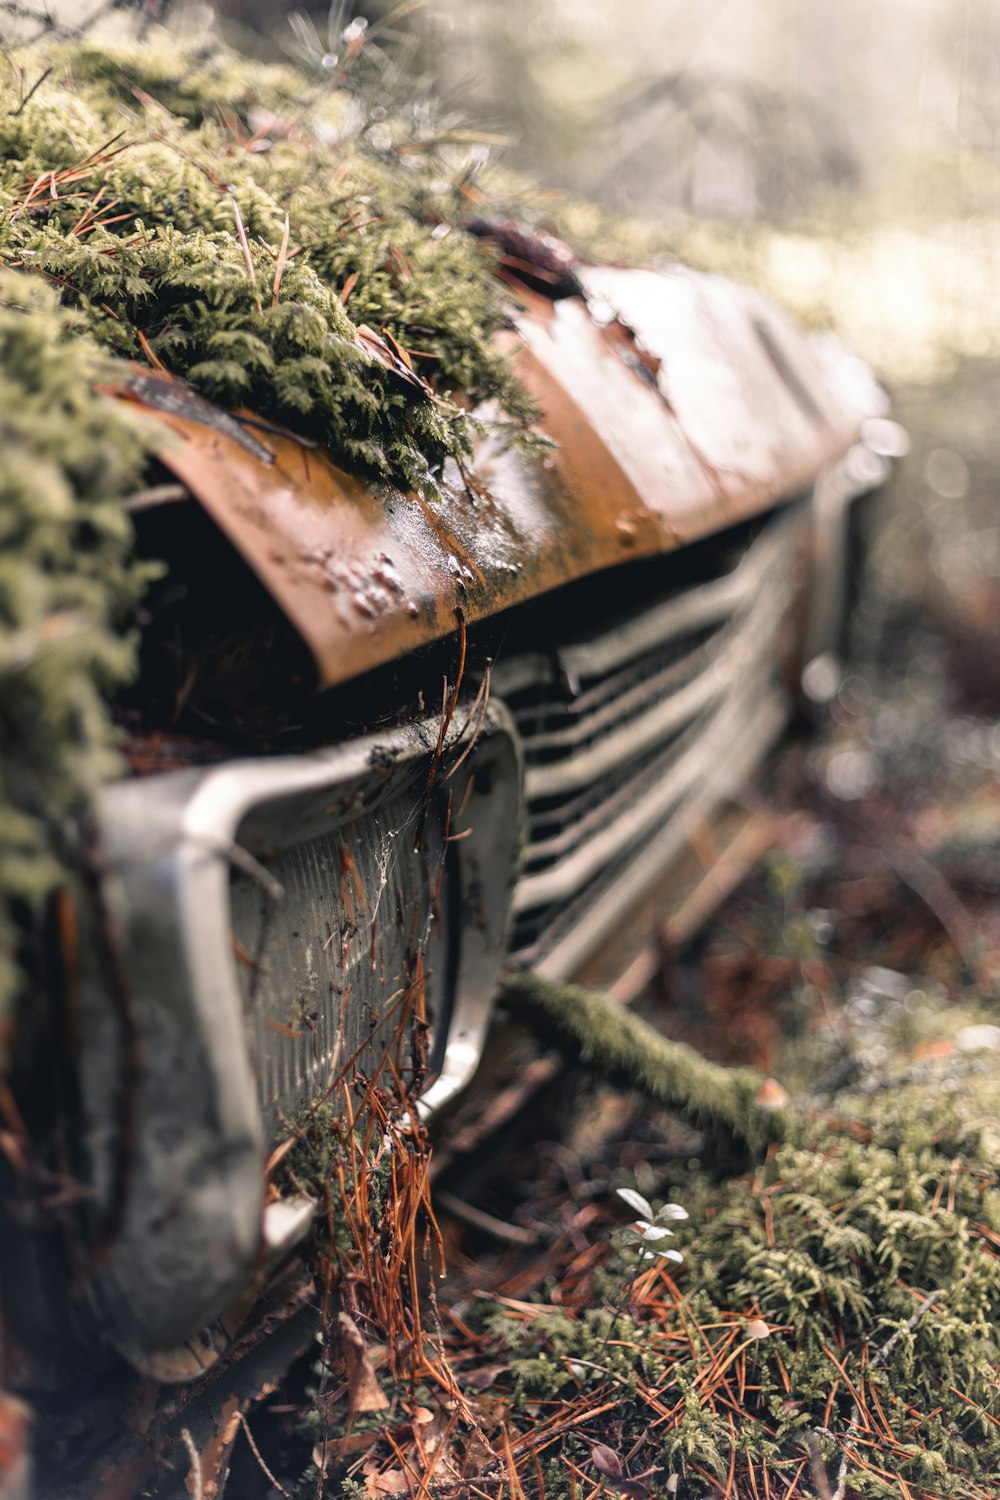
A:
(675, 403)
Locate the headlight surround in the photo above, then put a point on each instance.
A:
(263, 913)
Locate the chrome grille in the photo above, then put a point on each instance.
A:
(622, 727)
(345, 973)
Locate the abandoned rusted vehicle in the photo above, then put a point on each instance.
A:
(535, 683)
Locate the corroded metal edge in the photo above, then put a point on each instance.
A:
(677, 404)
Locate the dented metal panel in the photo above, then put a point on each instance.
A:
(759, 401)
(676, 403)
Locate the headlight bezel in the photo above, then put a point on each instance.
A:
(192, 1229)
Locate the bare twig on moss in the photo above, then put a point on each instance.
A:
(279, 269)
(817, 1469)
(509, 1234)
(36, 85)
(260, 1459)
(882, 1354)
(245, 247)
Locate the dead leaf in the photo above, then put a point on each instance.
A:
(363, 1390)
(606, 1461)
(343, 1447)
(483, 1378)
(391, 1482)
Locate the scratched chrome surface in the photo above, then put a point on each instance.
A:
(676, 402)
(620, 727)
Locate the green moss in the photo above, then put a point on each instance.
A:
(624, 1050)
(166, 137)
(867, 1244)
(328, 1151)
(124, 178)
(67, 583)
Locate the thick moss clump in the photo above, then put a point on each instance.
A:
(627, 1052)
(67, 582)
(241, 223)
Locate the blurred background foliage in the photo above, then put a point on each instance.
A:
(846, 157)
(843, 156)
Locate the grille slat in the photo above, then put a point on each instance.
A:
(635, 721)
(616, 700)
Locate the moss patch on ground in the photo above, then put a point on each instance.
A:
(834, 1329)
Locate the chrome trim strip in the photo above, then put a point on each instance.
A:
(705, 604)
(862, 469)
(638, 735)
(561, 881)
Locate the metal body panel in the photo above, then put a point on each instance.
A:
(675, 402)
(759, 402)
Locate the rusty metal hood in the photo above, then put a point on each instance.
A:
(676, 403)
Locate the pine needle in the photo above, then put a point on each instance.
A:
(251, 273)
(279, 269)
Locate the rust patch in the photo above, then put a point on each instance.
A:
(676, 403)
(758, 402)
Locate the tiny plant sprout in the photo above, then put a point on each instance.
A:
(642, 1241)
(651, 1227)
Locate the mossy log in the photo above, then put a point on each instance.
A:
(626, 1051)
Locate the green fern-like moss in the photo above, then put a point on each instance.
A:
(67, 583)
(165, 137)
(836, 1242)
(124, 179)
